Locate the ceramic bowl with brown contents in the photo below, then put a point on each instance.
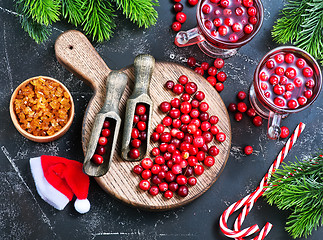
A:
(42, 109)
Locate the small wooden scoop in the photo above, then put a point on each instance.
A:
(116, 83)
(144, 66)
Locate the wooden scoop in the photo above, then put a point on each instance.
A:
(144, 66)
(116, 83)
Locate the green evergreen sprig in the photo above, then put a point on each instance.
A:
(302, 25)
(299, 187)
(96, 17)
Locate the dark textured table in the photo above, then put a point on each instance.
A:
(24, 215)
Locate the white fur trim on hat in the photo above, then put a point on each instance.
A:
(82, 205)
(47, 192)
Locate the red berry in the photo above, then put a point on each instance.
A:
(173, 186)
(169, 85)
(137, 169)
(170, 177)
(199, 96)
(198, 141)
(238, 116)
(105, 132)
(192, 128)
(236, 27)
(205, 66)
(213, 151)
(228, 22)
(97, 159)
(248, 150)
(279, 71)
(204, 107)
(290, 73)
(248, 28)
(199, 70)
(134, 153)
(103, 141)
(144, 185)
(278, 89)
(307, 72)
(205, 126)
(106, 124)
(101, 150)
(241, 95)
(300, 63)
(284, 132)
(251, 112)
(178, 7)
(214, 130)
(183, 190)
(289, 87)
(232, 107)
(146, 163)
(165, 137)
(167, 121)
(242, 107)
(190, 88)
(180, 17)
(206, 9)
(221, 76)
(263, 76)
(239, 11)
(217, 22)
(140, 109)
(185, 107)
(223, 30)
(159, 160)
(134, 133)
(278, 101)
(169, 194)
(283, 80)
(218, 63)
(135, 119)
(165, 107)
(181, 180)
(270, 64)
(257, 121)
(214, 119)
(141, 126)
(183, 79)
(195, 103)
(219, 87)
(192, 181)
(220, 137)
(247, 3)
(308, 94)
(193, 2)
(310, 83)
(176, 26)
(302, 100)
(289, 58)
(224, 3)
(252, 11)
(209, 161)
(154, 190)
(175, 102)
(136, 143)
(191, 61)
(298, 82)
(212, 71)
(292, 104)
(279, 58)
(198, 169)
(211, 80)
(146, 174)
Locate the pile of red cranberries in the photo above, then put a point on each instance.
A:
(183, 138)
(241, 107)
(101, 148)
(139, 130)
(214, 77)
(180, 16)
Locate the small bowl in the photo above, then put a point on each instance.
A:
(34, 138)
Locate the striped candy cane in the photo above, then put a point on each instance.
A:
(248, 201)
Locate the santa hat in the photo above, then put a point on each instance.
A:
(57, 179)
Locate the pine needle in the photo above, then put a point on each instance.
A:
(140, 12)
(299, 187)
(36, 31)
(99, 19)
(72, 10)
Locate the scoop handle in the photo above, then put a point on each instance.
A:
(75, 52)
(116, 84)
(144, 65)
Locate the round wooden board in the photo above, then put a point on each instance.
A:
(120, 181)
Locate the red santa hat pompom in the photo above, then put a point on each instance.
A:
(57, 179)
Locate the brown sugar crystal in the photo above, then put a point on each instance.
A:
(42, 107)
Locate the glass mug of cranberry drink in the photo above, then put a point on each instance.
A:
(287, 80)
(223, 26)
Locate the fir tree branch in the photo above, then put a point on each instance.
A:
(99, 19)
(36, 31)
(140, 12)
(299, 187)
(73, 10)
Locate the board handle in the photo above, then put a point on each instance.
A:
(144, 65)
(75, 52)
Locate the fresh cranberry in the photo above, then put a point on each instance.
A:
(279, 71)
(220, 137)
(218, 63)
(263, 86)
(167, 121)
(170, 177)
(193, 2)
(308, 94)
(160, 128)
(310, 83)
(208, 24)
(252, 11)
(238, 116)
(253, 20)
(248, 150)
(219, 86)
(263, 76)
(214, 119)
(178, 89)
(211, 80)
(278, 89)
(106, 124)
(199, 70)
(140, 109)
(206, 9)
(241, 95)
(137, 169)
(279, 58)
(217, 22)
(302, 100)
(270, 64)
(242, 107)
(300, 63)
(307, 72)
(185, 118)
(287, 95)
(221, 76)
(141, 126)
(273, 80)
(181, 180)
(165, 107)
(267, 94)
(155, 151)
(193, 150)
(189, 171)
(180, 17)
(212, 71)
(178, 7)
(195, 113)
(175, 103)
(174, 113)
(248, 28)
(97, 159)
(284, 132)
(204, 116)
(257, 121)
(228, 22)
(176, 26)
(200, 156)
(153, 190)
(192, 161)
(183, 190)
(185, 155)
(195, 103)
(190, 88)
(134, 133)
(209, 161)
(169, 85)
(232, 107)
(236, 27)
(278, 101)
(163, 147)
(298, 82)
(103, 141)
(173, 186)
(290, 73)
(144, 185)
(185, 146)
(199, 96)
(163, 187)
(134, 153)
(289, 87)
(205, 66)
(101, 150)
(283, 80)
(224, 3)
(176, 169)
(239, 11)
(247, 3)
(146, 163)
(165, 137)
(176, 123)
(198, 169)
(143, 118)
(223, 30)
(196, 121)
(146, 174)
(143, 136)
(205, 126)
(213, 151)
(105, 132)
(169, 194)
(164, 168)
(198, 141)
(204, 107)
(214, 130)
(191, 61)
(135, 119)
(160, 176)
(289, 58)
(136, 143)
(185, 107)
(192, 181)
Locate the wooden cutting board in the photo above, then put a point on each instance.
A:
(75, 52)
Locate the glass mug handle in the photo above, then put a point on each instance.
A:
(273, 131)
(188, 38)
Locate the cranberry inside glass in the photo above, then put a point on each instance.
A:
(287, 80)
(223, 26)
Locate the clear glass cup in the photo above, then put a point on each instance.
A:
(265, 106)
(215, 46)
